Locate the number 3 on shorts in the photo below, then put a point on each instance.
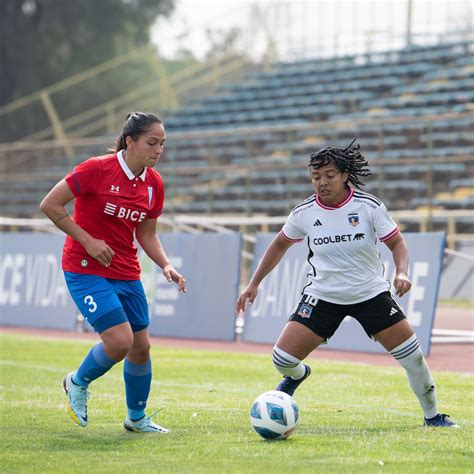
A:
(89, 301)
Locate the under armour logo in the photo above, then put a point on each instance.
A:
(393, 311)
(318, 222)
(114, 189)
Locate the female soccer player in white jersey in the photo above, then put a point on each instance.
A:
(341, 225)
(117, 197)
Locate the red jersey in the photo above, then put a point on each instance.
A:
(110, 203)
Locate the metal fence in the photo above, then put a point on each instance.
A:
(422, 166)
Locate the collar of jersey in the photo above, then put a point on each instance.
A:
(338, 205)
(126, 169)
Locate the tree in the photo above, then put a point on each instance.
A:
(45, 41)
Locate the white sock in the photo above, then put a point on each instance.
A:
(287, 364)
(410, 357)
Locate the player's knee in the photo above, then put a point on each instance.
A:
(145, 348)
(121, 345)
(283, 361)
(141, 351)
(409, 353)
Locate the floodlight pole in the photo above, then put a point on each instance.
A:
(409, 19)
(58, 128)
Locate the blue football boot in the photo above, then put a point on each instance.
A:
(288, 385)
(441, 421)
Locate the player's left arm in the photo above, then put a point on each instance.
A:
(150, 243)
(398, 246)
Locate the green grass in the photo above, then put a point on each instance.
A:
(353, 417)
(456, 303)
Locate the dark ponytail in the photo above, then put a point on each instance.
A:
(136, 124)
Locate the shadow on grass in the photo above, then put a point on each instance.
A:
(80, 440)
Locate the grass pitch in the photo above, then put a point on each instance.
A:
(354, 418)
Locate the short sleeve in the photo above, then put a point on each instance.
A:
(384, 225)
(291, 230)
(85, 177)
(158, 199)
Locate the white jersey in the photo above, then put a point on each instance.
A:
(345, 262)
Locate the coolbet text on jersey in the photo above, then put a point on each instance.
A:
(342, 254)
(106, 191)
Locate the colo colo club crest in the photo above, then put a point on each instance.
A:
(353, 219)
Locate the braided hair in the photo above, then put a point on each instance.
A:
(135, 125)
(347, 160)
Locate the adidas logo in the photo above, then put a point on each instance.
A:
(393, 311)
(318, 222)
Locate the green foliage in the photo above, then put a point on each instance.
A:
(354, 418)
(45, 41)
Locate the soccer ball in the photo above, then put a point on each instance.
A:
(274, 415)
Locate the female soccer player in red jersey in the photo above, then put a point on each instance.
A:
(117, 197)
(342, 225)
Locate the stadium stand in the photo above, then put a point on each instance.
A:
(244, 149)
(340, 98)
(391, 83)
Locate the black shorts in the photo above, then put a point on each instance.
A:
(323, 318)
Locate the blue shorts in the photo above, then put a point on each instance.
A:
(105, 302)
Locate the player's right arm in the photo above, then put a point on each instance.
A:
(272, 256)
(54, 207)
